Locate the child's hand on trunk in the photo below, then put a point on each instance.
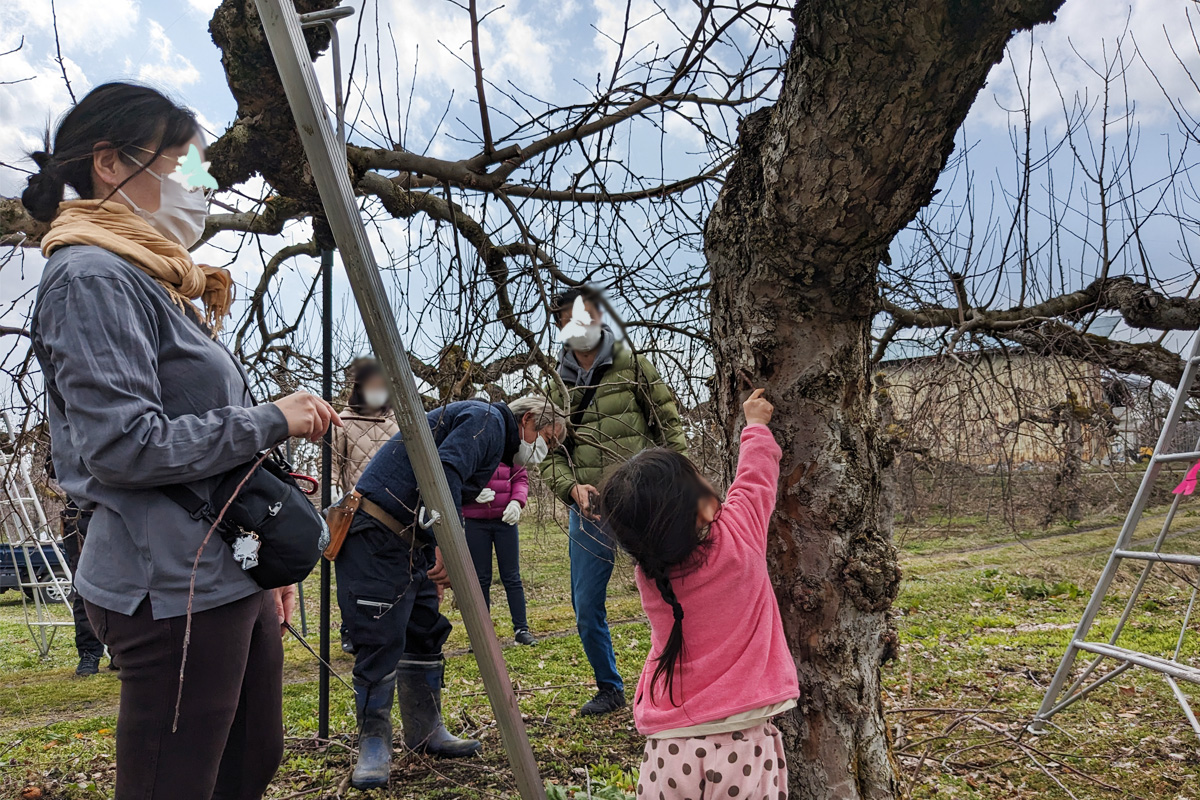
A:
(757, 409)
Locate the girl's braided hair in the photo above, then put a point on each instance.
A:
(649, 506)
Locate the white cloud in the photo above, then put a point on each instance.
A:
(1081, 40)
(172, 69)
(204, 7)
(87, 26)
(29, 106)
(519, 42)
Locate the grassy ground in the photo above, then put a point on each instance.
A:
(983, 619)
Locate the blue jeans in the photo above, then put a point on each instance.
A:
(591, 567)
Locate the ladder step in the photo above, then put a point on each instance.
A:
(1166, 458)
(1165, 666)
(1166, 558)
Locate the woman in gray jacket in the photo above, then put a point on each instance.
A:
(143, 396)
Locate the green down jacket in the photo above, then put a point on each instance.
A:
(632, 410)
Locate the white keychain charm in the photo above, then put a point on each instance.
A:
(245, 550)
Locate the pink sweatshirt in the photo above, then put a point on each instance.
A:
(735, 657)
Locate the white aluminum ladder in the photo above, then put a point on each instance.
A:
(1170, 667)
(43, 577)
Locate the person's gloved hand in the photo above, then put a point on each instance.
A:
(512, 513)
(485, 497)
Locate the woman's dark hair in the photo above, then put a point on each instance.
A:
(124, 116)
(649, 507)
(362, 371)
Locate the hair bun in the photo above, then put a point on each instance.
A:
(43, 159)
(45, 190)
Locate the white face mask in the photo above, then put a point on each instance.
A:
(530, 454)
(588, 340)
(375, 398)
(181, 212)
(581, 332)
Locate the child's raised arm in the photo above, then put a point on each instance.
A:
(747, 510)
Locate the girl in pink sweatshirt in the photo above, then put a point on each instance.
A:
(719, 667)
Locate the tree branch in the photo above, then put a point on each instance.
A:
(1140, 305)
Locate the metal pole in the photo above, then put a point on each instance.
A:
(326, 482)
(328, 19)
(300, 606)
(282, 26)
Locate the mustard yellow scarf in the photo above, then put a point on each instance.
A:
(117, 229)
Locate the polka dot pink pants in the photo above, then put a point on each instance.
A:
(745, 764)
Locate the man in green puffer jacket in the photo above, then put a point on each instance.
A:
(619, 406)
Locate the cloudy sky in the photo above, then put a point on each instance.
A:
(555, 50)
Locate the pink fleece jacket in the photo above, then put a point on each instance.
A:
(509, 483)
(735, 657)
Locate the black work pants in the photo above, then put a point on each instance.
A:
(229, 739)
(75, 524)
(386, 598)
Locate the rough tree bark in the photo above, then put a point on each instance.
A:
(1065, 503)
(874, 93)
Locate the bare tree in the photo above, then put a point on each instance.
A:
(872, 97)
(798, 247)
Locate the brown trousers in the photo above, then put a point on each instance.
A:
(229, 740)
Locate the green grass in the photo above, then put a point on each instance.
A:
(983, 619)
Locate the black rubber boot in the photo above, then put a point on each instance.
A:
(419, 685)
(374, 707)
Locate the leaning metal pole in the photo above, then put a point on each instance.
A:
(284, 35)
(326, 485)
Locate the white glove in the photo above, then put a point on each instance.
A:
(485, 497)
(512, 513)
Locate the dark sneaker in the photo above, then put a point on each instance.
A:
(525, 637)
(606, 701)
(89, 664)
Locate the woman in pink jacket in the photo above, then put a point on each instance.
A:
(702, 574)
(492, 524)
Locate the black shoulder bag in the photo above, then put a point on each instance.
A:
(272, 527)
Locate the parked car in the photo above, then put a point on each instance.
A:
(13, 558)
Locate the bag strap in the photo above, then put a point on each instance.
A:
(585, 402)
(589, 395)
(197, 507)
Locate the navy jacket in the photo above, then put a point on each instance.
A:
(473, 438)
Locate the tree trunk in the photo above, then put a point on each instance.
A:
(1068, 480)
(1071, 480)
(873, 95)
